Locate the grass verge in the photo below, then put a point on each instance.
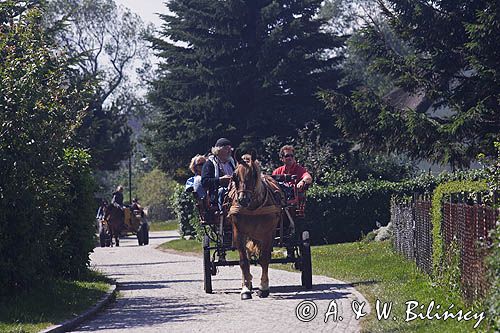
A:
(379, 274)
(191, 246)
(164, 225)
(50, 303)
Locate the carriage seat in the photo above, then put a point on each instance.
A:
(207, 212)
(294, 197)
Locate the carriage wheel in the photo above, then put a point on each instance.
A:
(306, 264)
(102, 237)
(145, 237)
(207, 266)
(140, 237)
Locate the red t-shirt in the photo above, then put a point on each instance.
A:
(295, 169)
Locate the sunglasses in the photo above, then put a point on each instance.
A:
(287, 155)
(199, 164)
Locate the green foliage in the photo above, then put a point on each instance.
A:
(343, 213)
(192, 246)
(40, 110)
(452, 65)
(379, 273)
(154, 190)
(50, 303)
(73, 235)
(493, 262)
(238, 69)
(187, 216)
(313, 149)
(493, 259)
(269, 156)
(442, 192)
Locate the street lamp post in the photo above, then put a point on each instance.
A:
(144, 160)
(130, 178)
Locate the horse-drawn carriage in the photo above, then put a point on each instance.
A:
(287, 230)
(117, 222)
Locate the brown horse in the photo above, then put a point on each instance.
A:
(115, 218)
(254, 215)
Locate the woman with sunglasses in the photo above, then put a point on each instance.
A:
(291, 167)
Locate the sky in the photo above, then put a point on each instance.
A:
(147, 9)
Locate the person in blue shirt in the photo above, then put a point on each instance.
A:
(196, 166)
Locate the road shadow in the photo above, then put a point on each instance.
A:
(128, 313)
(327, 291)
(146, 263)
(159, 284)
(162, 237)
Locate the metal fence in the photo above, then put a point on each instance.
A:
(465, 226)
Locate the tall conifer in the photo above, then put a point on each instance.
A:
(453, 64)
(245, 69)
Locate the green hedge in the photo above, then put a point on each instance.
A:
(442, 192)
(344, 213)
(49, 230)
(73, 233)
(186, 213)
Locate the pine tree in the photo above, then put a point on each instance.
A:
(245, 69)
(452, 63)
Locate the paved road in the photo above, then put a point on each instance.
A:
(163, 292)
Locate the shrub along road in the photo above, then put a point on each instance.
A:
(163, 292)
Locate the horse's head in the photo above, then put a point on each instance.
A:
(246, 179)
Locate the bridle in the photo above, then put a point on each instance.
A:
(244, 190)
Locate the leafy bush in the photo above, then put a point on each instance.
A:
(344, 213)
(154, 190)
(73, 234)
(493, 259)
(493, 262)
(442, 192)
(184, 208)
(41, 108)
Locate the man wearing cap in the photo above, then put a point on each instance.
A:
(216, 173)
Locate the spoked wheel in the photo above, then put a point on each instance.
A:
(306, 264)
(207, 266)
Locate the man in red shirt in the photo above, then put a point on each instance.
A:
(291, 167)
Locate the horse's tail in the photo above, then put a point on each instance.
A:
(253, 248)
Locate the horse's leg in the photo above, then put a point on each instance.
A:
(264, 260)
(117, 237)
(246, 290)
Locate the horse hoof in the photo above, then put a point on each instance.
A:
(263, 293)
(245, 296)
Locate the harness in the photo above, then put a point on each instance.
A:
(267, 205)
